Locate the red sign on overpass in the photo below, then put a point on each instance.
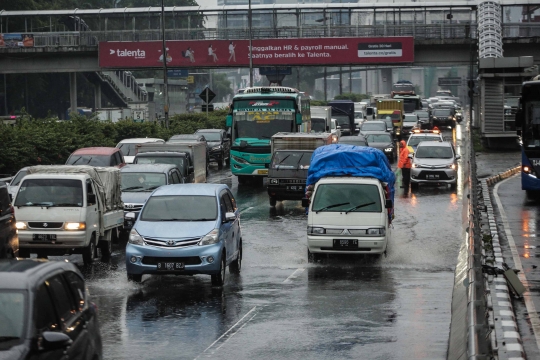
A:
(268, 52)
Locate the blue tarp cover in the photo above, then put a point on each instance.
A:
(341, 159)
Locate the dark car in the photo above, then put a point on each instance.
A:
(353, 140)
(182, 160)
(218, 145)
(9, 240)
(187, 138)
(424, 118)
(46, 312)
(138, 182)
(97, 156)
(410, 122)
(383, 141)
(444, 117)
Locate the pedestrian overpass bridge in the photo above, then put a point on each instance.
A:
(445, 33)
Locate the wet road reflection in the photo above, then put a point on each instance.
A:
(281, 307)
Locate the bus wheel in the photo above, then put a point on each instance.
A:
(258, 180)
(241, 179)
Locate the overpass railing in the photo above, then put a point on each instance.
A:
(419, 32)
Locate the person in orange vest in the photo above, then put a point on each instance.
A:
(404, 164)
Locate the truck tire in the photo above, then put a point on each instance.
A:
(453, 186)
(134, 277)
(241, 179)
(219, 278)
(220, 161)
(236, 265)
(273, 201)
(106, 249)
(313, 257)
(89, 252)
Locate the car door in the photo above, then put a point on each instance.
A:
(236, 223)
(45, 319)
(226, 227)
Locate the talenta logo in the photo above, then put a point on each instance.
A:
(137, 54)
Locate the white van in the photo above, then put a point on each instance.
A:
(348, 215)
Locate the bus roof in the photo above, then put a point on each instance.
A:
(266, 90)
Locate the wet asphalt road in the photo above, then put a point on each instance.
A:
(281, 307)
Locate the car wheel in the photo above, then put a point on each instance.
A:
(134, 277)
(414, 186)
(220, 162)
(313, 257)
(219, 278)
(273, 201)
(236, 265)
(89, 252)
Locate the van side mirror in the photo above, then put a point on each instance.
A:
(53, 340)
(190, 169)
(388, 204)
(230, 216)
(91, 199)
(130, 215)
(306, 202)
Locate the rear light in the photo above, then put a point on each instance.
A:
(395, 121)
(397, 112)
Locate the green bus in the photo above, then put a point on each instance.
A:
(257, 114)
(411, 103)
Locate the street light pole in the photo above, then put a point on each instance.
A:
(250, 54)
(165, 80)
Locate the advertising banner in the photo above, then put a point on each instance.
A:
(16, 40)
(267, 52)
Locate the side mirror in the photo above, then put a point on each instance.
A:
(53, 340)
(190, 169)
(91, 199)
(298, 119)
(267, 165)
(230, 216)
(130, 216)
(388, 204)
(458, 157)
(228, 120)
(306, 202)
(338, 127)
(411, 156)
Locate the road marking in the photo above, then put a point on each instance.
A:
(294, 275)
(529, 304)
(249, 208)
(230, 329)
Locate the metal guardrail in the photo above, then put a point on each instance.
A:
(7, 179)
(419, 32)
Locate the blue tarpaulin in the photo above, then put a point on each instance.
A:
(343, 160)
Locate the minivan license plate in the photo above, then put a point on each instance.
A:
(44, 237)
(170, 266)
(295, 188)
(345, 243)
(432, 176)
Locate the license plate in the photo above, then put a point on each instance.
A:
(345, 243)
(432, 176)
(44, 237)
(295, 188)
(170, 266)
(129, 223)
(262, 172)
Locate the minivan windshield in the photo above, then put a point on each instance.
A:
(92, 160)
(434, 152)
(12, 310)
(347, 197)
(50, 192)
(143, 181)
(180, 208)
(373, 126)
(128, 149)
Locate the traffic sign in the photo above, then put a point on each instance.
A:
(177, 73)
(191, 79)
(138, 116)
(207, 95)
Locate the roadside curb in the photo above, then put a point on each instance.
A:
(507, 342)
(504, 175)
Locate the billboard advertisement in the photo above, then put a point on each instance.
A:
(265, 52)
(16, 40)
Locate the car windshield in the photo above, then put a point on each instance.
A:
(291, 159)
(92, 160)
(358, 115)
(12, 317)
(50, 192)
(353, 140)
(422, 114)
(16, 181)
(175, 160)
(180, 208)
(415, 140)
(142, 181)
(342, 120)
(389, 117)
(211, 136)
(379, 138)
(318, 125)
(342, 197)
(128, 149)
(442, 112)
(373, 126)
(434, 152)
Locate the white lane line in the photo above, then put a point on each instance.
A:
(234, 333)
(249, 208)
(529, 304)
(230, 329)
(294, 275)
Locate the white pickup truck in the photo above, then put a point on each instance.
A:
(62, 209)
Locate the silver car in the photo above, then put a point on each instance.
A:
(434, 162)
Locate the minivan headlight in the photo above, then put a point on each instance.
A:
(20, 225)
(452, 166)
(211, 238)
(376, 231)
(312, 230)
(135, 238)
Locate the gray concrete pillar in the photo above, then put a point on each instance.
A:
(73, 91)
(386, 80)
(97, 96)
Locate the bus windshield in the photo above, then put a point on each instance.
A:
(262, 118)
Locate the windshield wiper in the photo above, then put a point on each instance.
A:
(298, 162)
(8, 338)
(80, 157)
(152, 187)
(131, 188)
(172, 220)
(282, 160)
(359, 206)
(202, 219)
(330, 206)
(88, 162)
(45, 204)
